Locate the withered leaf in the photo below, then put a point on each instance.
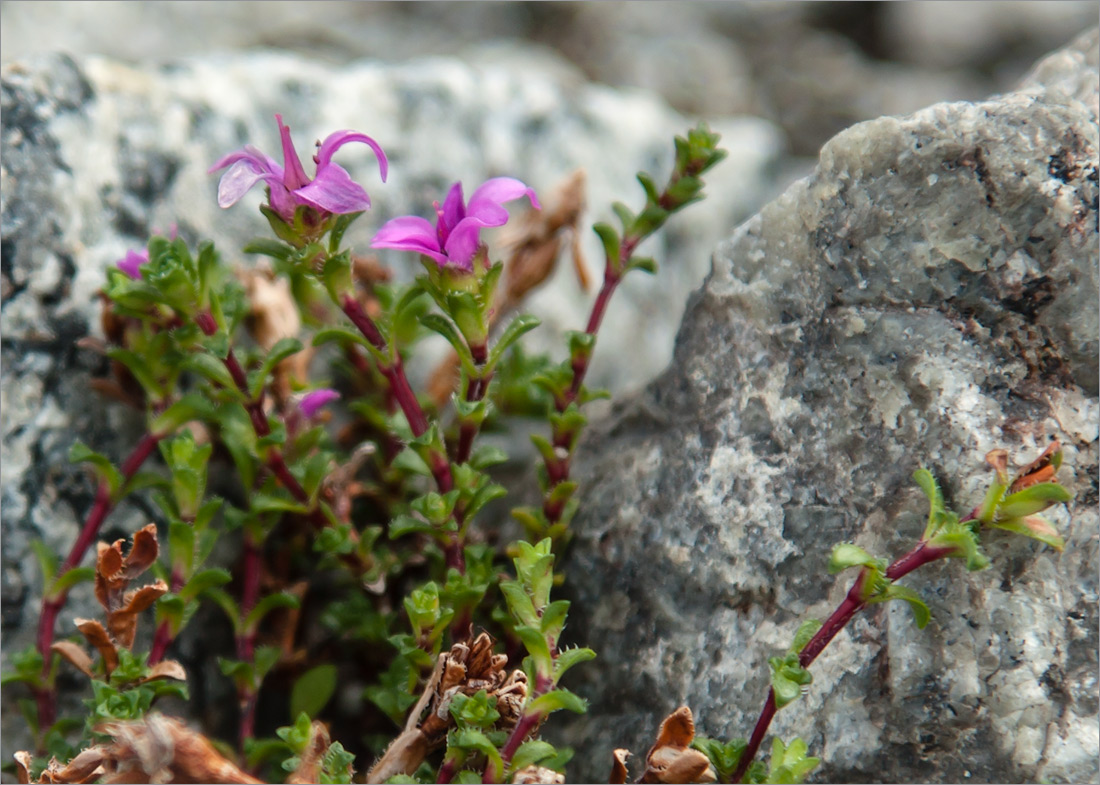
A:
(143, 553)
(76, 657)
(166, 669)
(618, 767)
(122, 623)
(94, 633)
(677, 730)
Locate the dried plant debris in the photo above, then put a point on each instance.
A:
(156, 749)
(671, 759)
(466, 669)
(273, 315)
(113, 575)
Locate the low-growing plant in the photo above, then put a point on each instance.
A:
(371, 553)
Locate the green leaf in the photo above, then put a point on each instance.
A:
(921, 614)
(339, 227)
(269, 603)
(847, 555)
(312, 690)
(265, 246)
(474, 711)
(47, 561)
(536, 645)
(487, 455)
(476, 741)
(724, 757)
(203, 581)
(1035, 526)
(519, 326)
(283, 348)
(213, 370)
(141, 368)
(611, 243)
(558, 699)
(788, 678)
(71, 578)
(340, 335)
(806, 631)
(190, 407)
(407, 524)
(531, 753)
(965, 546)
(337, 277)
(266, 502)
(570, 657)
(1032, 500)
(104, 469)
(789, 765)
(519, 603)
(651, 193)
(445, 327)
(646, 264)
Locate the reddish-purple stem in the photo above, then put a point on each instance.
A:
(45, 697)
(852, 604)
(447, 771)
(524, 727)
(246, 641)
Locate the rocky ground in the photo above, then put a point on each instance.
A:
(926, 294)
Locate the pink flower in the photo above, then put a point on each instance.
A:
(133, 260)
(455, 237)
(312, 402)
(331, 190)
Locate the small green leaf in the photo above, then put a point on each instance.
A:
(558, 699)
(445, 327)
(570, 657)
(788, 678)
(104, 469)
(847, 555)
(531, 753)
(269, 603)
(519, 326)
(71, 578)
(203, 581)
(1035, 526)
(646, 264)
(611, 243)
(283, 348)
(1032, 500)
(190, 407)
(806, 631)
(212, 369)
(312, 690)
(340, 335)
(921, 613)
(265, 246)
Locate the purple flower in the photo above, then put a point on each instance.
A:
(133, 260)
(455, 237)
(312, 402)
(331, 190)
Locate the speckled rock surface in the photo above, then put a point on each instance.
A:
(97, 154)
(926, 295)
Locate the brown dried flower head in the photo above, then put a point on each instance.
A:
(671, 759)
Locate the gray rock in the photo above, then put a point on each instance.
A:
(926, 295)
(97, 154)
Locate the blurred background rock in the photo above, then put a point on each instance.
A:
(813, 68)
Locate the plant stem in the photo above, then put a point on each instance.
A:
(164, 637)
(246, 642)
(852, 604)
(258, 418)
(394, 371)
(46, 697)
(525, 726)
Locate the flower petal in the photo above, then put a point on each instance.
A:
(408, 233)
(463, 242)
(132, 262)
(454, 210)
(239, 179)
(485, 203)
(312, 402)
(333, 190)
(261, 162)
(294, 176)
(335, 141)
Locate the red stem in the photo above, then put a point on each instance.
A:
(45, 697)
(246, 642)
(852, 604)
(524, 727)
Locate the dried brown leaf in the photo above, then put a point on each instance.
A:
(403, 756)
(163, 749)
(143, 553)
(618, 767)
(671, 758)
(76, 656)
(122, 623)
(677, 730)
(97, 636)
(23, 762)
(166, 669)
(533, 775)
